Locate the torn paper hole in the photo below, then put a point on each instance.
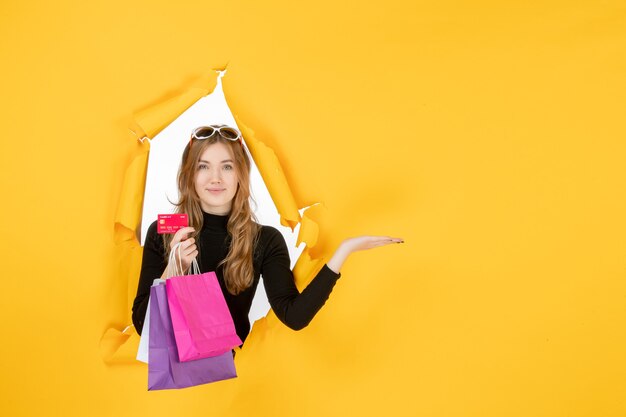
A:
(170, 123)
(166, 150)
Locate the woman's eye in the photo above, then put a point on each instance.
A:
(226, 167)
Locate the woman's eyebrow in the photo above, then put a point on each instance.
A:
(207, 162)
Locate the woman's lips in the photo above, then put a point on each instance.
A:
(215, 191)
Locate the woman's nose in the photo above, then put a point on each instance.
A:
(215, 175)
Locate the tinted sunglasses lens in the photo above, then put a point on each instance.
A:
(204, 132)
(229, 133)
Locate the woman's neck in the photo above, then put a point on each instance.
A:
(215, 221)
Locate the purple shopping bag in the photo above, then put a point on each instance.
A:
(203, 326)
(165, 371)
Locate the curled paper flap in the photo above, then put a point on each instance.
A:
(128, 214)
(309, 228)
(152, 120)
(119, 347)
(273, 176)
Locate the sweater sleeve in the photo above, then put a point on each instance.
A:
(152, 266)
(293, 308)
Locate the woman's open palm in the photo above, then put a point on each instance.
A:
(369, 242)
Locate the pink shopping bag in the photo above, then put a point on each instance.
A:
(203, 326)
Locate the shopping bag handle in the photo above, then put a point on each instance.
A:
(176, 268)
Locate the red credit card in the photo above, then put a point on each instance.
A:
(170, 223)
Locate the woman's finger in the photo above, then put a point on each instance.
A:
(184, 252)
(187, 243)
(182, 232)
(187, 252)
(369, 242)
(389, 238)
(181, 235)
(188, 259)
(384, 242)
(382, 238)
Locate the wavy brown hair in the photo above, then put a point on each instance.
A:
(243, 226)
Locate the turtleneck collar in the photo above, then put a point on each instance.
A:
(215, 221)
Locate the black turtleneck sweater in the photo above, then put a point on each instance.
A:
(271, 260)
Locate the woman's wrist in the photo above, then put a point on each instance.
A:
(338, 258)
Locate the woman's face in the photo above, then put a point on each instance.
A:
(216, 179)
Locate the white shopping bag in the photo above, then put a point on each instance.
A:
(142, 352)
(144, 340)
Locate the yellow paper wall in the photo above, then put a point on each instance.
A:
(489, 136)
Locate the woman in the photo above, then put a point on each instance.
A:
(214, 190)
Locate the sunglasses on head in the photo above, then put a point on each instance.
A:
(205, 132)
